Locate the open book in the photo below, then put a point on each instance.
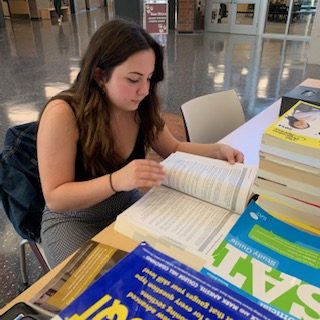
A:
(196, 206)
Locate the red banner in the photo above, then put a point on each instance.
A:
(156, 18)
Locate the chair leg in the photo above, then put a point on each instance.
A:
(37, 252)
(23, 265)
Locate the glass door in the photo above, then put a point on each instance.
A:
(232, 16)
(245, 16)
(217, 17)
(290, 18)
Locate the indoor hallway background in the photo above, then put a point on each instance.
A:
(38, 58)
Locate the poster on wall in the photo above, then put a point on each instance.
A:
(156, 17)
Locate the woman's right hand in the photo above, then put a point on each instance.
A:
(141, 173)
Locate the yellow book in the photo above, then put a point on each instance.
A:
(295, 135)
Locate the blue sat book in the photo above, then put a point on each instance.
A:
(270, 262)
(148, 284)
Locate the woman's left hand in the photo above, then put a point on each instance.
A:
(229, 154)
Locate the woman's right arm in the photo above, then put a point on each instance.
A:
(57, 147)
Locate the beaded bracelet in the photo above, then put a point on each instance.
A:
(111, 185)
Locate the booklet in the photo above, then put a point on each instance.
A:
(148, 284)
(89, 262)
(196, 206)
(271, 263)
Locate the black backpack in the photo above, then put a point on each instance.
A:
(20, 188)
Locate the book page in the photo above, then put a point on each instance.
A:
(174, 217)
(215, 181)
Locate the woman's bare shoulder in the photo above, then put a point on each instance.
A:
(58, 114)
(58, 107)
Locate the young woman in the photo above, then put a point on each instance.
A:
(93, 138)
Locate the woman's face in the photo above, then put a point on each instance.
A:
(300, 124)
(130, 81)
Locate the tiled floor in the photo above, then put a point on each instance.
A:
(39, 58)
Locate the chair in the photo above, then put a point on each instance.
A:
(210, 117)
(20, 191)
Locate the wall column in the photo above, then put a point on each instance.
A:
(185, 16)
(1, 16)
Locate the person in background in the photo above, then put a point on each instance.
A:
(222, 12)
(57, 7)
(93, 138)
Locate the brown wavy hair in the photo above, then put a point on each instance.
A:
(112, 44)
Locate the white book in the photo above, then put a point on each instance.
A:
(301, 205)
(289, 163)
(290, 213)
(291, 182)
(289, 170)
(196, 206)
(296, 156)
(287, 190)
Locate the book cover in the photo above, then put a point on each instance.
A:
(148, 284)
(298, 128)
(88, 263)
(270, 262)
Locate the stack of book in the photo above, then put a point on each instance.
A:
(150, 285)
(288, 179)
(262, 269)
